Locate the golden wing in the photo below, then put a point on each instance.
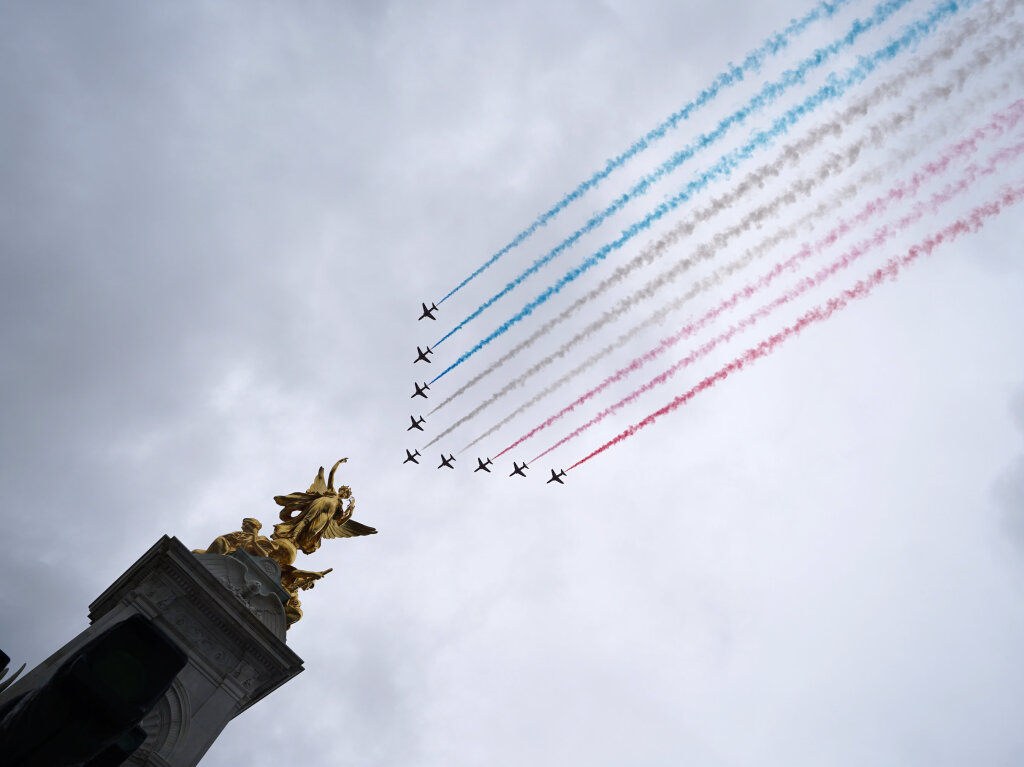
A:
(319, 486)
(293, 502)
(347, 529)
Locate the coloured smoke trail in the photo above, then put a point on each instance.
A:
(835, 89)
(752, 63)
(800, 188)
(968, 224)
(881, 236)
(904, 190)
(982, 59)
(767, 96)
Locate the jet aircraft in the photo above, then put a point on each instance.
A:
(411, 456)
(416, 424)
(429, 312)
(422, 355)
(420, 390)
(483, 465)
(556, 477)
(517, 469)
(447, 461)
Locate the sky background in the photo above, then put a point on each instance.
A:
(217, 223)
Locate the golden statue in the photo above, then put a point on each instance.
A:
(323, 513)
(320, 512)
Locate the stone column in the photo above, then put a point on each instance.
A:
(226, 612)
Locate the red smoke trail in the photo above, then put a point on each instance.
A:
(966, 225)
(999, 124)
(879, 238)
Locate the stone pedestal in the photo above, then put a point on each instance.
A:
(226, 612)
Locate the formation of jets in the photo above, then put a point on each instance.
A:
(412, 456)
(518, 469)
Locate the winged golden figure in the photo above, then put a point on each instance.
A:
(320, 512)
(307, 518)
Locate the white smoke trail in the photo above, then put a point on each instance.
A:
(989, 15)
(836, 163)
(903, 190)
(826, 208)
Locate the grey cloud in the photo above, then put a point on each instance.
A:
(216, 224)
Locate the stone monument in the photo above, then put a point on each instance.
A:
(228, 607)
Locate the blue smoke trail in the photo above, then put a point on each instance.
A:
(835, 88)
(735, 74)
(765, 97)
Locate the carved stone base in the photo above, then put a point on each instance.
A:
(226, 612)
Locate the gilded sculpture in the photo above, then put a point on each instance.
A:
(306, 518)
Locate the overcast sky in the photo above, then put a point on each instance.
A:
(217, 223)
